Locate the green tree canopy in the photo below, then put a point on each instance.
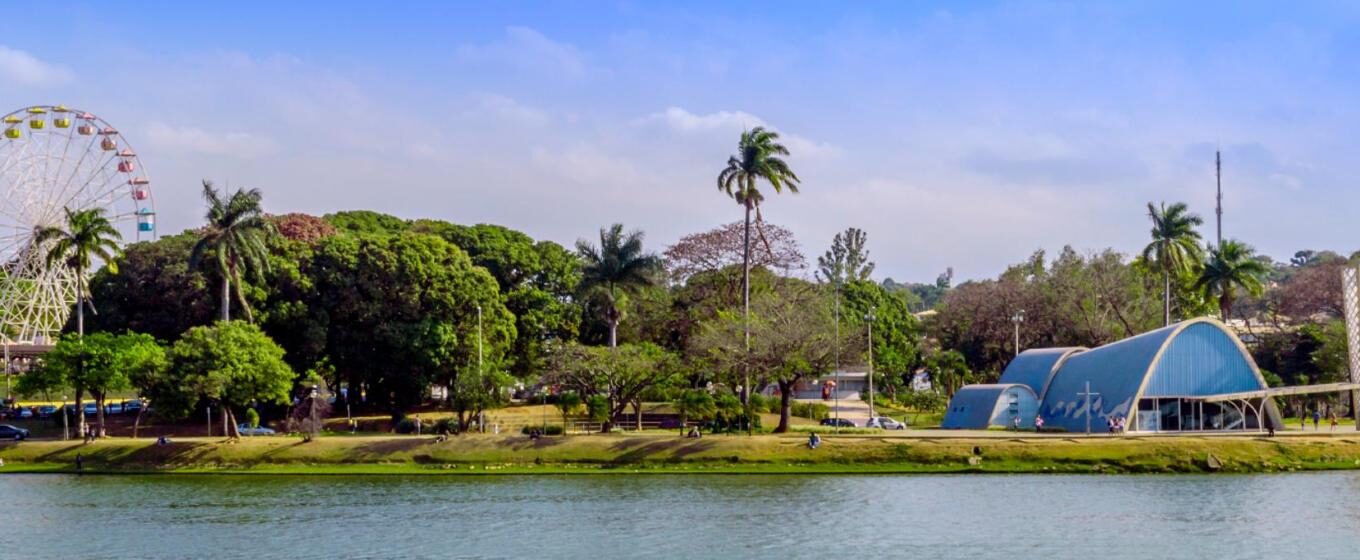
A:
(231, 363)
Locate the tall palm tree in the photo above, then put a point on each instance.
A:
(1230, 266)
(235, 240)
(757, 159)
(1175, 244)
(87, 235)
(618, 264)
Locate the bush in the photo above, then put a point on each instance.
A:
(597, 407)
(760, 403)
(813, 411)
(252, 418)
(550, 430)
(445, 425)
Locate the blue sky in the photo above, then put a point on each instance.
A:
(956, 134)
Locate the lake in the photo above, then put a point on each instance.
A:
(1307, 516)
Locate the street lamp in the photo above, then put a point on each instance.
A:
(65, 422)
(869, 318)
(479, 338)
(1018, 318)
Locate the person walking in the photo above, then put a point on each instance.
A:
(1038, 424)
(1317, 417)
(1334, 420)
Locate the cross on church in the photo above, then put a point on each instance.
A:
(1088, 394)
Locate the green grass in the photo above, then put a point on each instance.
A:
(658, 453)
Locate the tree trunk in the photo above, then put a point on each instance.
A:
(99, 415)
(785, 406)
(137, 422)
(229, 417)
(746, 318)
(80, 303)
(613, 331)
(637, 411)
(1225, 305)
(80, 414)
(226, 295)
(1166, 279)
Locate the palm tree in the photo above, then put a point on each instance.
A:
(1230, 266)
(617, 265)
(87, 235)
(1175, 244)
(757, 159)
(234, 238)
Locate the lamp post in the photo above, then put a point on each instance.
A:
(1018, 318)
(835, 389)
(65, 422)
(869, 318)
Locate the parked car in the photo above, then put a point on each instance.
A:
(133, 405)
(25, 412)
(91, 409)
(46, 411)
(885, 423)
(838, 422)
(246, 430)
(10, 432)
(113, 408)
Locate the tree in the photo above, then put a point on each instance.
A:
(232, 364)
(949, 370)
(791, 339)
(1174, 249)
(155, 290)
(896, 332)
(618, 375)
(722, 247)
(98, 364)
(694, 404)
(617, 265)
(567, 403)
(234, 239)
(1230, 266)
(847, 260)
(87, 235)
(757, 159)
(304, 228)
(400, 312)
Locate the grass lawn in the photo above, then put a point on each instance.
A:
(666, 452)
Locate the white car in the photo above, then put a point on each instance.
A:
(246, 430)
(885, 423)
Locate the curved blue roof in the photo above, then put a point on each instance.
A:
(1035, 367)
(976, 407)
(1192, 358)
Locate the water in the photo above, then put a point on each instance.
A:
(1307, 516)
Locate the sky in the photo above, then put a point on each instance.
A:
(963, 135)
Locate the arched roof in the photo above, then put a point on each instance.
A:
(1035, 367)
(973, 406)
(1193, 358)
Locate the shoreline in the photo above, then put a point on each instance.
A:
(605, 454)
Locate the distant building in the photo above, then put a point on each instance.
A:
(1193, 375)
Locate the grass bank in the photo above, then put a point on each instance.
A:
(484, 454)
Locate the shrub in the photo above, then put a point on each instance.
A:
(761, 403)
(814, 411)
(252, 418)
(445, 425)
(597, 407)
(550, 430)
(406, 426)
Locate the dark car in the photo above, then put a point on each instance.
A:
(11, 432)
(838, 422)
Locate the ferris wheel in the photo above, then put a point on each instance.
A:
(54, 158)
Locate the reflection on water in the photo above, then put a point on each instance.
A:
(1311, 516)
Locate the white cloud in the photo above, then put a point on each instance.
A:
(681, 120)
(587, 165)
(506, 108)
(527, 49)
(195, 140)
(17, 66)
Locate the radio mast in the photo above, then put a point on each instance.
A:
(1218, 176)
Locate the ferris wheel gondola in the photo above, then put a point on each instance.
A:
(54, 158)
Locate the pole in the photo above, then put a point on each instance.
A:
(1218, 177)
(835, 391)
(870, 319)
(209, 409)
(65, 421)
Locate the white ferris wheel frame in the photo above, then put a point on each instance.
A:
(44, 171)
